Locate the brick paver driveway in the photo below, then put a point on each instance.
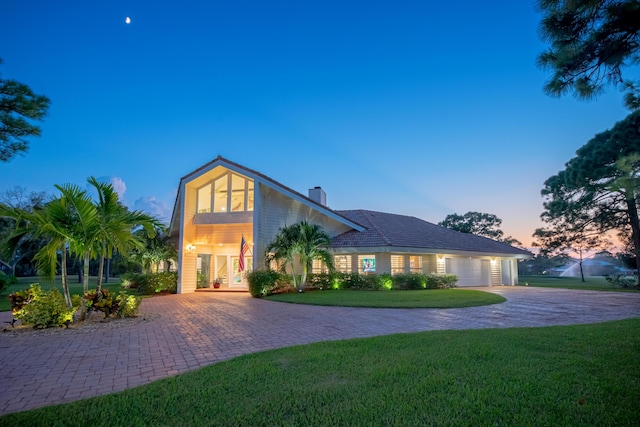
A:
(199, 329)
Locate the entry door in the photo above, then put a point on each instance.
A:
(239, 278)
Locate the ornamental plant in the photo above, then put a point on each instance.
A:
(120, 306)
(41, 309)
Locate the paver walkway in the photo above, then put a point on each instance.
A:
(199, 329)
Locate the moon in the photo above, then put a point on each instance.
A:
(127, 20)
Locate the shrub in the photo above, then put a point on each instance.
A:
(441, 281)
(201, 281)
(262, 282)
(151, 283)
(410, 281)
(617, 280)
(42, 309)
(320, 281)
(166, 281)
(123, 305)
(20, 298)
(131, 280)
(127, 305)
(99, 301)
(352, 281)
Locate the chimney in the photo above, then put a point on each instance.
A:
(318, 195)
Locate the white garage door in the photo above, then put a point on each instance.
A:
(470, 271)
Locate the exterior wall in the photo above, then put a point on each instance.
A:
(383, 263)
(215, 234)
(496, 272)
(187, 277)
(429, 264)
(275, 210)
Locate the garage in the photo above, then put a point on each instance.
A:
(470, 271)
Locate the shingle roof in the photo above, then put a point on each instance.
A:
(385, 229)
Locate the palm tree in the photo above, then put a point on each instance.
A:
(156, 249)
(84, 231)
(51, 224)
(297, 246)
(116, 224)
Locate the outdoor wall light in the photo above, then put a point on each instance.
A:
(191, 248)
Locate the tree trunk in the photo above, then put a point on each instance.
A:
(303, 277)
(100, 272)
(632, 210)
(85, 284)
(80, 275)
(107, 271)
(65, 279)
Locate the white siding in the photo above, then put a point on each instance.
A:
(496, 274)
(275, 210)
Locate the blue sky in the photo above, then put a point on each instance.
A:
(410, 107)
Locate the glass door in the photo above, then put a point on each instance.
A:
(239, 278)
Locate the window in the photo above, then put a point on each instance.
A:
(415, 264)
(318, 266)
(366, 263)
(221, 193)
(342, 263)
(249, 195)
(204, 199)
(229, 193)
(237, 193)
(397, 264)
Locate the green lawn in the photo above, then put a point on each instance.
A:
(596, 283)
(433, 298)
(556, 376)
(74, 287)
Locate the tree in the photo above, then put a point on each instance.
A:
(296, 247)
(591, 41)
(19, 107)
(541, 263)
(115, 224)
(480, 224)
(52, 223)
(157, 249)
(73, 222)
(18, 198)
(562, 237)
(597, 192)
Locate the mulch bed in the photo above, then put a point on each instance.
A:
(95, 322)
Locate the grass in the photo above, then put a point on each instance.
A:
(593, 283)
(74, 286)
(553, 376)
(436, 298)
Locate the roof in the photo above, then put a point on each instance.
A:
(385, 229)
(221, 161)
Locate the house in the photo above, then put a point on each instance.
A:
(223, 203)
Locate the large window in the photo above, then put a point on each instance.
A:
(227, 193)
(221, 194)
(342, 263)
(238, 192)
(317, 267)
(204, 199)
(397, 264)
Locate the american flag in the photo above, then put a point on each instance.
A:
(243, 250)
